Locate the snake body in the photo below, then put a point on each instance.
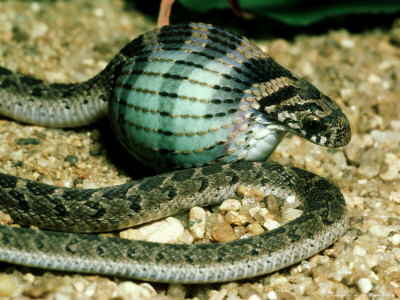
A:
(181, 96)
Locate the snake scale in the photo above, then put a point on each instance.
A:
(181, 96)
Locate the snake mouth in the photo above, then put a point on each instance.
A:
(330, 139)
(340, 135)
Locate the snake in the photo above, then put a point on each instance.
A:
(206, 108)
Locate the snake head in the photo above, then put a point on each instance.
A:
(305, 111)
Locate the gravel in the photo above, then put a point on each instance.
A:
(69, 41)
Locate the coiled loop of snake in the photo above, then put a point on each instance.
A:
(180, 96)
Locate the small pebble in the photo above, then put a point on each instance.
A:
(240, 231)
(374, 79)
(90, 289)
(233, 217)
(248, 292)
(272, 295)
(222, 232)
(197, 222)
(88, 184)
(79, 286)
(29, 277)
(285, 296)
(357, 250)
(340, 159)
(217, 295)
(246, 192)
(393, 170)
(368, 169)
(5, 218)
(347, 43)
(254, 229)
(185, 238)
(364, 285)
(395, 239)
(271, 224)
(163, 231)
(131, 234)
(388, 135)
(176, 290)
(395, 196)
(230, 204)
(396, 292)
(379, 230)
(8, 286)
(262, 211)
(291, 214)
(131, 291)
(372, 260)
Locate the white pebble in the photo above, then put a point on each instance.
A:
(8, 285)
(17, 155)
(373, 78)
(272, 295)
(35, 6)
(163, 231)
(379, 230)
(197, 222)
(372, 260)
(347, 43)
(217, 295)
(29, 277)
(271, 224)
(42, 162)
(185, 238)
(67, 182)
(381, 136)
(340, 159)
(395, 196)
(291, 202)
(364, 285)
(291, 214)
(261, 210)
(395, 239)
(38, 29)
(230, 204)
(233, 217)
(392, 172)
(254, 297)
(395, 124)
(88, 184)
(396, 254)
(278, 280)
(98, 12)
(91, 289)
(357, 250)
(131, 234)
(176, 290)
(129, 291)
(79, 286)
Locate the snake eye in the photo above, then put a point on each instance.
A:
(312, 123)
